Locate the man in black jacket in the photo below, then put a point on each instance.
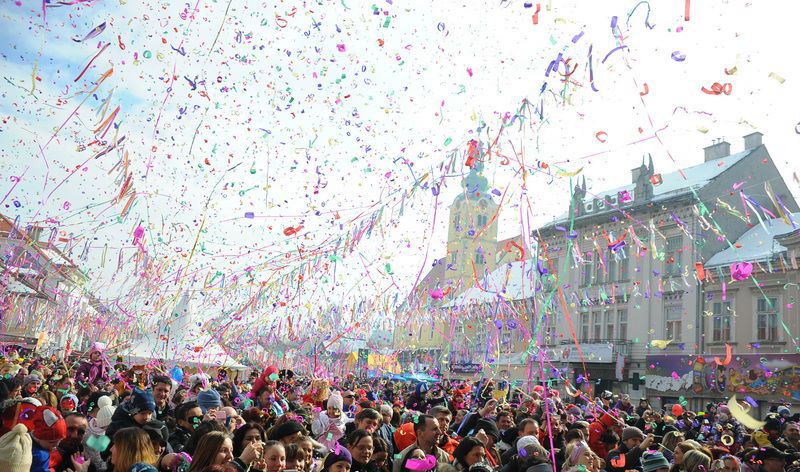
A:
(188, 415)
(628, 455)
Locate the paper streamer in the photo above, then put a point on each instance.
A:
(728, 355)
(742, 417)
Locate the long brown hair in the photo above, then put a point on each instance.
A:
(132, 445)
(207, 448)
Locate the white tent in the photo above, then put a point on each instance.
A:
(180, 342)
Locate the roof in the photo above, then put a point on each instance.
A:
(757, 244)
(512, 281)
(674, 184)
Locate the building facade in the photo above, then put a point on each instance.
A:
(43, 293)
(617, 279)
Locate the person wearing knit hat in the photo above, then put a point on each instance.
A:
(15, 450)
(105, 412)
(49, 428)
(338, 460)
(96, 369)
(68, 403)
(209, 400)
(31, 384)
(329, 426)
(287, 433)
(525, 441)
(141, 405)
(629, 453)
(654, 461)
(134, 412)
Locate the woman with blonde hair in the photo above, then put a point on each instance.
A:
(579, 456)
(131, 446)
(671, 439)
(696, 461)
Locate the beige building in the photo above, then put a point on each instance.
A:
(753, 317)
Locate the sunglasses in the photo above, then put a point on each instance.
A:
(81, 431)
(195, 420)
(349, 396)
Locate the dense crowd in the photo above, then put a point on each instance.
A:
(93, 416)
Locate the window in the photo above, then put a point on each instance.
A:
(612, 266)
(622, 317)
(454, 258)
(482, 220)
(622, 265)
(673, 312)
(505, 341)
(586, 273)
(584, 326)
(479, 259)
(597, 326)
(672, 256)
(609, 325)
(457, 221)
(767, 319)
(721, 331)
(599, 268)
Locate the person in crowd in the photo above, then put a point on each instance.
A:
(49, 429)
(443, 418)
(654, 461)
(131, 446)
(16, 450)
(134, 412)
(329, 426)
(427, 433)
(61, 455)
(287, 432)
(580, 457)
(380, 455)
(337, 460)
(95, 370)
(162, 388)
(188, 416)
(469, 451)
(214, 448)
(678, 454)
(628, 455)
(361, 446)
(295, 458)
(386, 430)
(697, 461)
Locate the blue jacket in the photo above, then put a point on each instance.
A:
(41, 458)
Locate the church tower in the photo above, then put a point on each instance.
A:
(472, 232)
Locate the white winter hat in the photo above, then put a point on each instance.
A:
(15, 450)
(105, 412)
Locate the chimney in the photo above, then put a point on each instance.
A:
(717, 150)
(752, 140)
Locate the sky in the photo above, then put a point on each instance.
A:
(260, 136)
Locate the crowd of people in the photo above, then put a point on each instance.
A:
(93, 416)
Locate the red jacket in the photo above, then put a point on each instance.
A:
(596, 430)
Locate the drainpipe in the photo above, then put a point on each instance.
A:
(699, 319)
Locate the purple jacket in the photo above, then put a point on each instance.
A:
(92, 372)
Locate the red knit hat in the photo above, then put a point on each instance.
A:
(48, 424)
